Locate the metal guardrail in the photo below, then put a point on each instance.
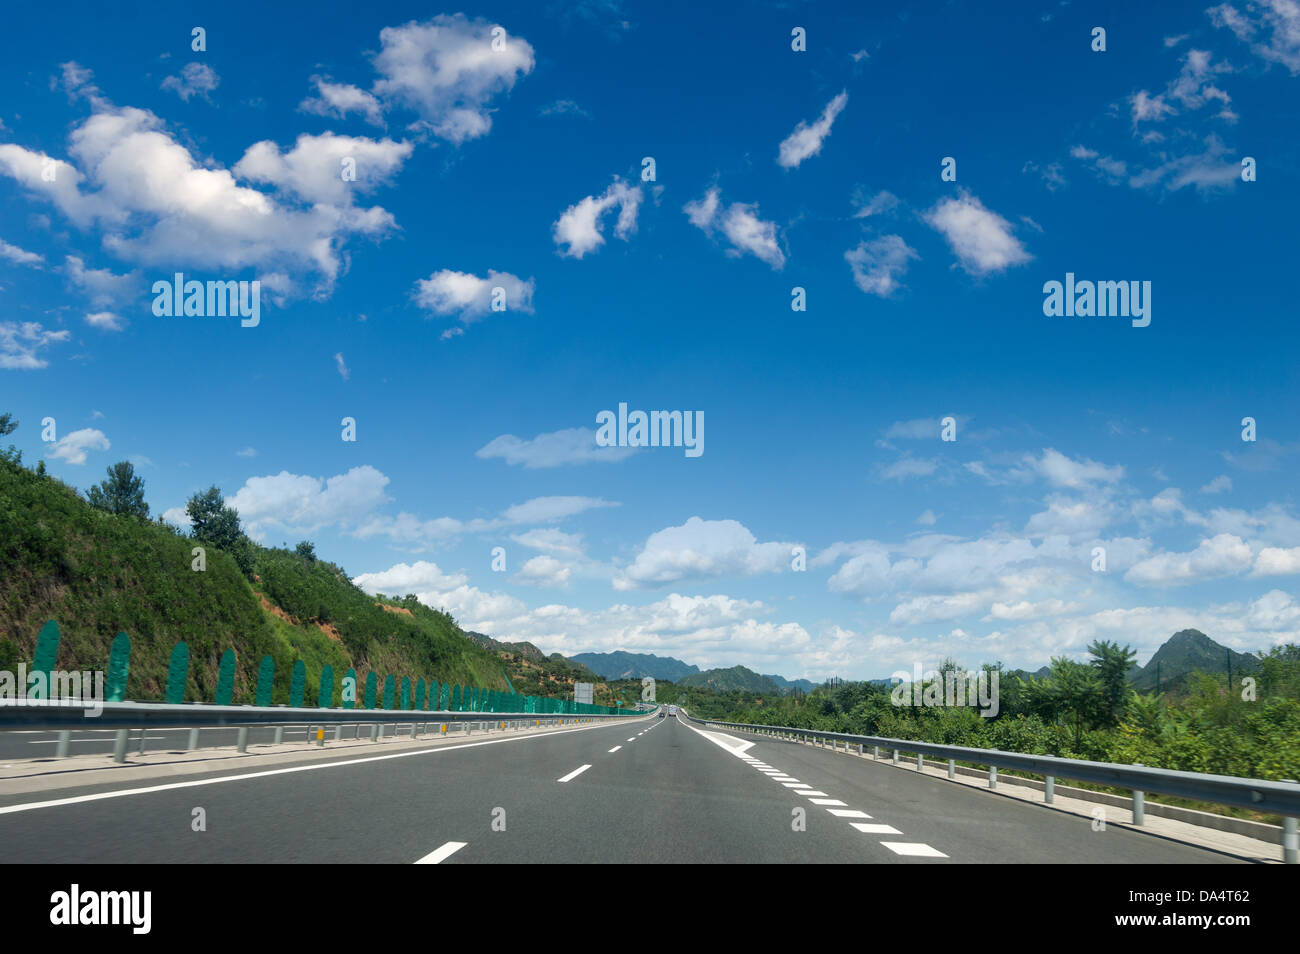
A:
(1278, 797)
(63, 716)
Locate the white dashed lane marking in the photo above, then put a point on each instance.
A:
(443, 853)
(615, 749)
(914, 849)
(574, 774)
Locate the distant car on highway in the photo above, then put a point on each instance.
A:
(672, 711)
(662, 713)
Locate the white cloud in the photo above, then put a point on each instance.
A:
(196, 79)
(806, 140)
(408, 529)
(298, 504)
(740, 224)
(550, 539)
(246, 452)
(981, 239)
(19, 256)
(927, 518)
(104, 321)
(185, 212)
(1062, 471)
(544, 571)
(340, 99)
(75, 446)
(101, 286)
(448, 292)
(877, 264)
(1277, 561)
(702, 549)
(342, 366)
(446, 70)
(312, 169)
(574, 445)
(1271, 27)
(579, 227)
(1221, 555)
(20, 343)
(1220, 484)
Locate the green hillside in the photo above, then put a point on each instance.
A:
(1184, 653)
(98, 573)
(730, 680)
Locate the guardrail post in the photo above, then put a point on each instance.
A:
(338, 733)
(920, 762)
(61, 751)
(859, 748)
(1049, 788)
(993, 776)
(119, 746)
(144, 730)
(243, 738)
(374, 732)
(279, 734)
(1139, 803)
(875, 752)
(952, 768)
(1290, 841)
(895, 756)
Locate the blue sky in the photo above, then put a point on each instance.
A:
(521, 168)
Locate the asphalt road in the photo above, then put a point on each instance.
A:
(641, 791)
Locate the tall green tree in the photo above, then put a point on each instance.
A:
(217, 525)
(121, 493)
(1112, 663)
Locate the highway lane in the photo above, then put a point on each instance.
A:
(642, 791)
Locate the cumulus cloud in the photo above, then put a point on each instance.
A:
(574, 445)
(877, 264)
(1062, 471)
(469, 297)
(578, 230)
(807, 138)
(741, 226)
(1277, 561)
(702, 549)
(104, 321)
(544, 571)
(186, 211)
(341, 99)
(312, 169)
(981, 239)
(299, 504)
(1222, 555)
(75, 447)
(447, 71)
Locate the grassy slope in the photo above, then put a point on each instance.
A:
(97, 574)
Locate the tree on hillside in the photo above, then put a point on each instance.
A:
(307, 550)
(217, 525)
(1112, 663)
(122, 493)
(7, 426)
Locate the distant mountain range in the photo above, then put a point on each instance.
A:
(622, 665)
(788, 685)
